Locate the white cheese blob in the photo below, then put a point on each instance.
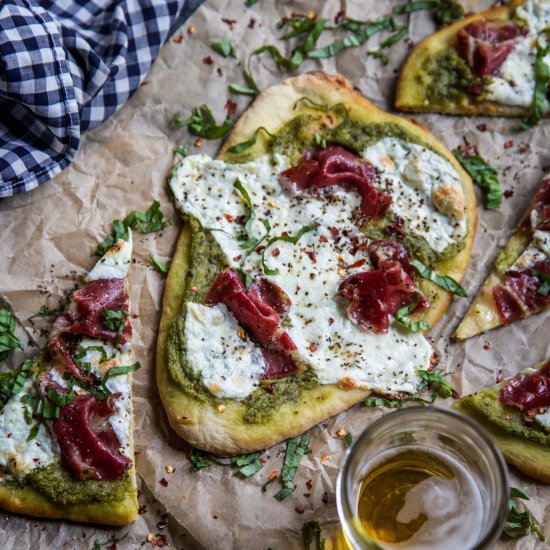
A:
(17, 455)
(115, 262)
(230, 365)
(411, 173)
(544, 420)
(310, 272)
(535, 14)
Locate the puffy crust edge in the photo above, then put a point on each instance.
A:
(410, 94)
(29, 501)
(225, 433)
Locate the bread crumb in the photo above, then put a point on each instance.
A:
(341, 432)
(221, 408)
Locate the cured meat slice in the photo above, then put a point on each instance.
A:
(528, 392)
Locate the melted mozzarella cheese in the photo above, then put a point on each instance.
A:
(529, 257)
(411, 173)
(17, 455)
(230, 365)
(115, 262)
(309, 272)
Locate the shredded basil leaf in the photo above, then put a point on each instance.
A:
(224, 48)
(44, 311)
(520, 524)
(401, 316)
(484, 175)
(8, 340)
(244, 90)
(542, 78)
(182, 150)
(249, 464)
(203, 124)
(320, 141)
(41, 408)
(249, 3)
(244, 145)
(295, 450)
(443, 281)
(58, 399)
(311, 531)
(434, 380)
(115, 320)
(349, 439)
(145, 222)
(34, 431)
(160, 266)
(390, 41)
(123, 369)
(21, 377)
(544, 288)
(286, 238)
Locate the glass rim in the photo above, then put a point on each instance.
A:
(353, 528)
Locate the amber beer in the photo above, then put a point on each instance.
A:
(423, 478)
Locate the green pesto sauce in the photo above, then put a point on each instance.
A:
(55, 480)
(510, 419)
(207, 259)
(58, 484)
(446, 77)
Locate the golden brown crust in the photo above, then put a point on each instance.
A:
(410, 92)
(224, 432)
(483, 315)
(530, 457)
(27, 500)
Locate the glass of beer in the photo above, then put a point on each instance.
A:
(423, 477)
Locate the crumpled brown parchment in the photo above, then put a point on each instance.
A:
(47, 237)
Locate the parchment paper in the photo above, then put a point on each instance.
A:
(47, 237)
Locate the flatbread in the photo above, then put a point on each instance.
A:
(220, 430)
(411, 90)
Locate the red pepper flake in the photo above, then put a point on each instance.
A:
(309, 484)
(323, 239)
(218, 218)
(334, 233)
(339, 16)
(251, 23)
(330, 321)
(160, 541)
(482, 127)
(500, 378)
(229, 217)
(299, 510)
(237, 258)
(263, 459)
(468, 150)
(163, 482)
(487, 346)
(142, 510)
(508, 193)
(275, 252)
(230, 22)
(178, 39)
(298, 288)
(523, 147)
(260, 249)
(312, 255)
(208, 60)
(307, 495)
(312, 347)
(230, 107)
(509, 144)
(358, 263)
(268, 389)
(324, 498)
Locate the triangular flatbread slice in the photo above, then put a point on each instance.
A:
(483, 64)
(515, 413)
(518, 285)
(66, 444)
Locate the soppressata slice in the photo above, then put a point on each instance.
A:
(519, 284)
(515, 412)
(495, 62)
(301, 279)
(66, 447)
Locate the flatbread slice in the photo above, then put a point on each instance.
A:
(483, 64)
(517, 287)
(316, 112)
(66, 424)
(522, 435)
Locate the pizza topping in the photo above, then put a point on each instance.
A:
(528, 392)
(518, 295)
(87, 441)
(86, 315)
(377, 294)
(278, 364)
(257, 309)
(387, 251)
(336, 166)
(485, 45)
(540, 215)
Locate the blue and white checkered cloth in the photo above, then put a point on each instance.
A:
(65, 66)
